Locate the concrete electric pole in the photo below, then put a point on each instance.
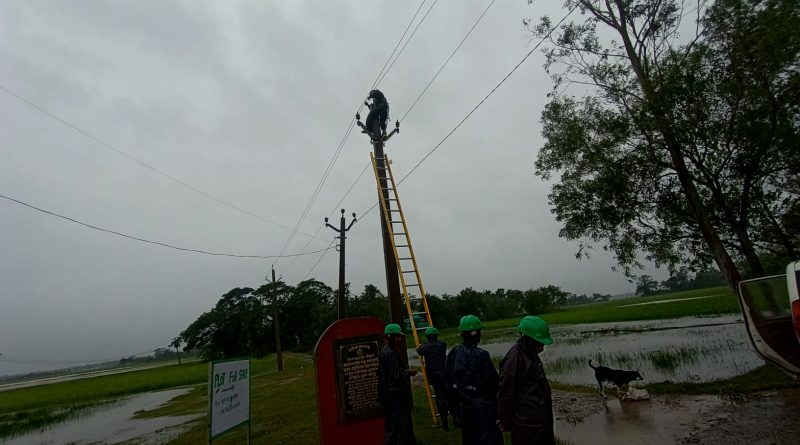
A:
(341, 231)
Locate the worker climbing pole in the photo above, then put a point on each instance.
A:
(400, 262)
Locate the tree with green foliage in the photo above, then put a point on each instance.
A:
(233, 328)
(310, 309)
(544, 299)
(176, 343)
(678, 281)
(470, 301)
(371, 302)
(682, 150)
(646, 285)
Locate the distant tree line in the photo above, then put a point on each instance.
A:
(679, 281)
(242, 322)
(158, 355)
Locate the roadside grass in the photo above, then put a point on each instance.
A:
(102, 387)
(283, 409)
(283, 405)
(26, 409)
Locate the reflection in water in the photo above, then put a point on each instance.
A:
(110, 424)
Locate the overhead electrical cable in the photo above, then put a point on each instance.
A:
(330, 214)
(375, 204)
(158, 243)
(350, 127)
(140, 162)
(318, 260)
(381, 77)
(474, 25)
(410, 22)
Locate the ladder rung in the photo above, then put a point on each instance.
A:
(415, 298)
(396, 222)
(402, 245)
(393, 210)
(398, 233)
(406, 258)
(418, 313)
(412, 285)
(409, 271)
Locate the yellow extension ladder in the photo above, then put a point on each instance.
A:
(414, 295)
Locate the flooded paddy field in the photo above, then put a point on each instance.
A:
(112, 423)
(691, 350)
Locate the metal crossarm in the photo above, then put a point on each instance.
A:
(417, 302)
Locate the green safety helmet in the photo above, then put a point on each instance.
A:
(393, 329)
(470, 323)
(536, 328)
(431, 331)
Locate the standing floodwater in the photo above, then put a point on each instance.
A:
(691, 349)
(111, 424)
(694, 349)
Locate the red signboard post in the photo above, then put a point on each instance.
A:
(346, 361)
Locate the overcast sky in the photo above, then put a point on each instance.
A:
(247, 101)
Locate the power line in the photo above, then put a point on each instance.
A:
(447, 61)
(158, 243)
(329, 215)
(381, 76)
(350, 127)
(411, 22)
(488, 95)
(318, 260)
(407, 41)
(138, 161)
(479, 103)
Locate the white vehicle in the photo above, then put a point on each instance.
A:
(771, 309)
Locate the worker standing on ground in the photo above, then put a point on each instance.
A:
(472, 382)
(524, 399)
(434, 352)
(395, 390)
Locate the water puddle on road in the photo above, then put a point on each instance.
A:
(112, 424)
(695, 349)
(655, 422)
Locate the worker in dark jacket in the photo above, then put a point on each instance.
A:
(472, 382)
(524, 400)
(434, 354)
(395, 389)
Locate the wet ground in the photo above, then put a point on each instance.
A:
(113, 424)
(680, 350)
(693, 349)
(767, 418)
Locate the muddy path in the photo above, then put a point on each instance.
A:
(765, 418)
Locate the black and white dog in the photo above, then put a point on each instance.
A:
(378, 114)
(616, 376)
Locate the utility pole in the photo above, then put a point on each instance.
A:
(277, 322)
(396, 308)
(341, 231)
